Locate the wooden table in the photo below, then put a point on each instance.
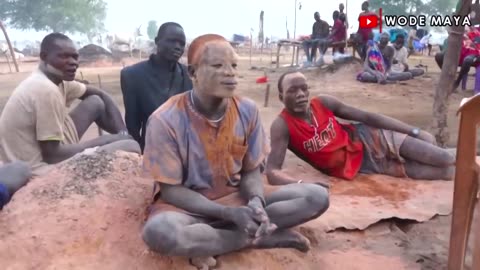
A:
(296, 45)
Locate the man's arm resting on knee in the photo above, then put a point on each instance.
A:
(376, 120)
(191, 201)
(279, 137)
(54, 152)
(110, 107)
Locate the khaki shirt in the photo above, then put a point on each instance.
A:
(36, 111)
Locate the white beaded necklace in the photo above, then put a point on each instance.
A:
(211, 121)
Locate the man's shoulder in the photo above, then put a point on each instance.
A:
(135, 68)
(36, 84)
(246, 105)
(171, 107)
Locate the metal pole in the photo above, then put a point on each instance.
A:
(295, 22)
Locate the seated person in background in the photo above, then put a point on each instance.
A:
(400, 56)
(204, 148)
(13, 176)
(469, 54)
(35, 125)
(377, 144)
(338, 34)
(378, 63)
(148, 84)
(320, 31)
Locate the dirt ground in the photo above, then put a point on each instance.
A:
(424, 244)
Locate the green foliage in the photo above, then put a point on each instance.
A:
(66, 16)
(152, 29)
(414, 7)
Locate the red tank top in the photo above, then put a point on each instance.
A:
(332, 150)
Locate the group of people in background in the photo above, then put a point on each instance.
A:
(324, 36)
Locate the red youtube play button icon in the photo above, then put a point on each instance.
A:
(368, 21)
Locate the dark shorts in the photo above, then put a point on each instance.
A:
(381, 153)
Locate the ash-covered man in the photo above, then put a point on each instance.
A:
(36, 125)
(205, 148)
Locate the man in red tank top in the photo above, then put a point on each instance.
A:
(376, 144)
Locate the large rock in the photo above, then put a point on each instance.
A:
(88, 214)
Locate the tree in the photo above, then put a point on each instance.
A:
(67, 16)
(407, 7)
(449, 69)
(10, 48)
(152, 29)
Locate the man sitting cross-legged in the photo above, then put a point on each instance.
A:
(205, 148)
(376, 144)
(35, 125)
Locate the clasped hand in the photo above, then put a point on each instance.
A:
(251, 218)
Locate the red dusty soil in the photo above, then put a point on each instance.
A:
(88, 213)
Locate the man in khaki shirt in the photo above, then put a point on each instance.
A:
(36, 125)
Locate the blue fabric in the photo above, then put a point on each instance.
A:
(4, 195)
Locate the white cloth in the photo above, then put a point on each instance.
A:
(401, 57)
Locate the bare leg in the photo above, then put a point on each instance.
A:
(306, 48)
(417, 170)
(90, 110)
(416, 72)
(15, 175)
(295, 204)
(439, 59)
(400, 76)
(131, 146)
(426, 161)
(426, 153)
(178, 234)
(464, 69)
(368, 77)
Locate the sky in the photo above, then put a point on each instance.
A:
(224, 17)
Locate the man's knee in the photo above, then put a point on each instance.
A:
(318, 198)
(95, 103)
(159, 234)
(446, 158)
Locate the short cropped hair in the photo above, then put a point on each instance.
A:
(48, 41)
(163, 28)
(282, 77)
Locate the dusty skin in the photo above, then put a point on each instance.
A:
(391, 244)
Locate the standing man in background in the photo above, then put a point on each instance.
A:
(148, 84)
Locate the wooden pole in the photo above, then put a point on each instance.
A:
(12, 52)
(449, 69)
(267, 95)
(8, 63)
(100, 131)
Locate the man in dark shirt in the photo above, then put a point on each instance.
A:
(148, 84)
(319, 36)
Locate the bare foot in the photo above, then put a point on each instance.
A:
(203, 263)
(123, 145)
(283, 239)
